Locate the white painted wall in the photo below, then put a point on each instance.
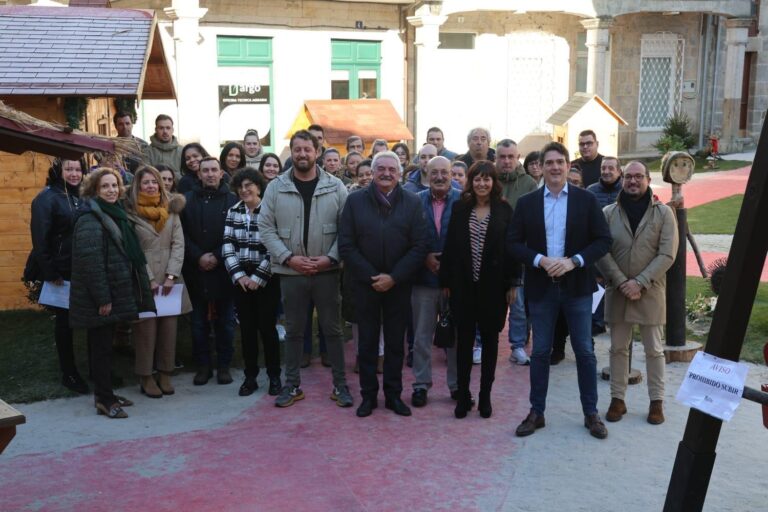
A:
(508, 84)
(301, 70)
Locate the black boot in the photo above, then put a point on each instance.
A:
(484, 404)
(463, 404)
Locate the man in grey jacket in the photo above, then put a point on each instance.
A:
(298, 225)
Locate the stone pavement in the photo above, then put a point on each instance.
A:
(205, 448)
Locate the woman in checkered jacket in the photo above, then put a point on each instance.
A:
(257, 291)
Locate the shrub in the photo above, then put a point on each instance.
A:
(677, 134)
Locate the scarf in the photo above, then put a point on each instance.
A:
(130, 241)
(149, 208)
(635, 208)
(385, 202)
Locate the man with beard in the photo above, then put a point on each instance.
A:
(381, 264)
(123, 122)
(590, 160)
(164, 149)
(206, 277)
(645, 241)
(298, 225)
(609, 186)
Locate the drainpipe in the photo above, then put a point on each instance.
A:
(714, 73)
(703, 75)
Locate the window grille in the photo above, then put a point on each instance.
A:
(661, 78)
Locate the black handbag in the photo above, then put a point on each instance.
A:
(445, 332)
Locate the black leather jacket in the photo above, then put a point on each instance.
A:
(52, 224)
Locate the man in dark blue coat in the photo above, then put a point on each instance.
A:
(559, 232)
(204, 272)
(383, 241)
(426, 296)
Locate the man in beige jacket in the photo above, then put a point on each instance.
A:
(644, 246)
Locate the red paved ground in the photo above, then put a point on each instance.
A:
(705, 188)
(710, 186)
(313, 456)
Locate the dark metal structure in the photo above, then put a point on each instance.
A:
(696, 452)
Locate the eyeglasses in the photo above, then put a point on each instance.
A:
(634, 177)
(586, 144)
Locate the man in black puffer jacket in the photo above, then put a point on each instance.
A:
(204, 272)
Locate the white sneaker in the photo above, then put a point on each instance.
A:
(477, 355)
(519, 356)
(280, 332)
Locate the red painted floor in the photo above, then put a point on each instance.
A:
(708, 187)
(313, 456)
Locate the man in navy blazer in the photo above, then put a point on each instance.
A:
(559, 232)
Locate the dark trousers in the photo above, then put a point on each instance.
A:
(223, 321)
(64, 346)
(465, 341)
(308, 333)
(100, 348)
(375, 310)
(257, 312)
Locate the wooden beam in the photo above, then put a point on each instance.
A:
(696, 452)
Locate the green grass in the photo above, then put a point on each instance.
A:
(757, 330)
(29, 368)
(29, 364)
(716, 218)
(701, 165)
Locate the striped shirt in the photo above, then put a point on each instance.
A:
(243, 251)
(477, 230)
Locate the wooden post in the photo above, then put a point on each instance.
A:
(696, 452)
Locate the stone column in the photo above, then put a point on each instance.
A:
(598, 39)
(186, 15)
(427, 41)
(736, 37)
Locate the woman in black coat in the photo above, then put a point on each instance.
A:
(53, 219)
(478, 276)
(109, 282)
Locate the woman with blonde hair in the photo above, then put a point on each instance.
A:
(109, 281)
(155, 214)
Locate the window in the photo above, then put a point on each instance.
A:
(456, 41)
(355, 69)
(244, 78)
(581, 62)
(661, 75)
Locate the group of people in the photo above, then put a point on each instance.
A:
(394, 238)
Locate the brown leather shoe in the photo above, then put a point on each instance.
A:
(530, 424)
(596, 426)
(616, 410)
(656, 412)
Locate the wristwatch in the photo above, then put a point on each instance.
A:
(576, 262)
(170, 277)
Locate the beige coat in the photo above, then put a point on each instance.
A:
(644, 256)
(165, 250)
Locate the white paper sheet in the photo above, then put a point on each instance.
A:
(167, 305)
(55, 295)
(713, 385)
(597, 297)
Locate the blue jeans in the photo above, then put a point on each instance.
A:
(224, 327)
(578, 313)
(518, 322)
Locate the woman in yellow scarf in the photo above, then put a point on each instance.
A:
(155, 214)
